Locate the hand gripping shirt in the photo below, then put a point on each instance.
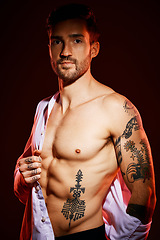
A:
(36, 223)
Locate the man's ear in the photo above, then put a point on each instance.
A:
(95, 47)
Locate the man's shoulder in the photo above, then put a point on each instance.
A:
(118, 106)
(111, 97)
(113, 100)
(118, 112)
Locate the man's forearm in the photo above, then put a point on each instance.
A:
(143, 213)
(142, 210)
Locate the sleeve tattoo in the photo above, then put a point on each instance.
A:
(139, 168)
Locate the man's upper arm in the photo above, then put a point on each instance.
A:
(134, 157)
(133, 153)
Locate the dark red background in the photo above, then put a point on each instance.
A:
(128, 62)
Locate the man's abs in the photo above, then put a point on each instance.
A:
(74, 192)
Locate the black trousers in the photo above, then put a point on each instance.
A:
(91, 234)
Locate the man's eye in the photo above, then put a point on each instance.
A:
(56, 42)
(77, 41)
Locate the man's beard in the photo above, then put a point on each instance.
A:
(68, 74)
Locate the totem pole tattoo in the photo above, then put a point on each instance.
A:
(74, 208)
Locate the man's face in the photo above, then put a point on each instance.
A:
(70, 50)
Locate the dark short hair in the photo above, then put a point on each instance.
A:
(74, 11)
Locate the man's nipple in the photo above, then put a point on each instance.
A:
(77, 150)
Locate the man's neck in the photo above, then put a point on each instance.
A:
(77, 92)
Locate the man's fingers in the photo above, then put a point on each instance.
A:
(29, 160)
(32, 159)
(30, 166)
(31, 173)
(32, 179)
(33, 165)
(34, 171)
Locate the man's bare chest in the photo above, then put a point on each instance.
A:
(79, 134)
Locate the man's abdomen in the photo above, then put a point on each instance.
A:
(74, 195)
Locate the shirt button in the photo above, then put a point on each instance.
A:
(43, 219)
(42, 133)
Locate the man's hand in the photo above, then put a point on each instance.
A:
(30, 168)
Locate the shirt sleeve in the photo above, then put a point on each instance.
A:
(21, 189)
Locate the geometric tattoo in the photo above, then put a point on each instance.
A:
(74, 208)
(140, 169)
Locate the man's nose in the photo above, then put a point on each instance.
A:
(66, 50)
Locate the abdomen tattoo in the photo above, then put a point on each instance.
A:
(74, 208)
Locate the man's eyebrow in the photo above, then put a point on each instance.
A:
(55, 37)
(76, 35)
(70, 35)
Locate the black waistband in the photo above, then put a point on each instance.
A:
(93, 234)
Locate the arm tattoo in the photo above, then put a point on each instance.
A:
(131, 125)
(118, 149)
(74, 208)
(129, 108)
(140, 169)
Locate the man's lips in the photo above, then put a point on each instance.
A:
(66, 62)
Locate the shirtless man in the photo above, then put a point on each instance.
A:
(90, 133)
